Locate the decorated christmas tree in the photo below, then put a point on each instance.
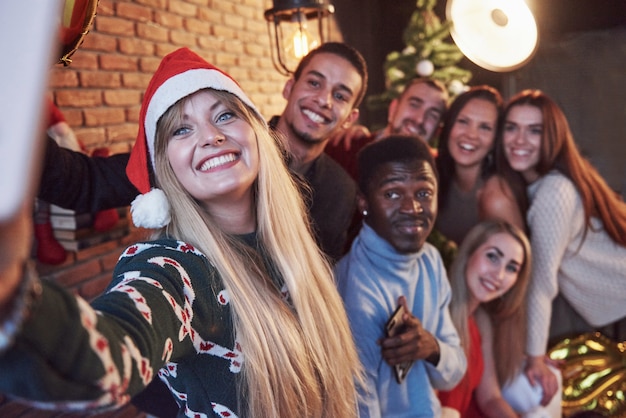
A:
(429, 52)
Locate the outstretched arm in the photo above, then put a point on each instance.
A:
(76, 181)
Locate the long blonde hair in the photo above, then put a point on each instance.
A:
(507, 313)
(300, 360)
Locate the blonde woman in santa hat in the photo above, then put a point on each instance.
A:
(231, 303)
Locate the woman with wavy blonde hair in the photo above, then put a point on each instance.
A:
(231, 301)
(489, 279)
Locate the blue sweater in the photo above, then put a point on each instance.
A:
(371, 277)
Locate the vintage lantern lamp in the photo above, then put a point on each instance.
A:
(295, 27)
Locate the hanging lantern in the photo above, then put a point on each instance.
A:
(295, 27)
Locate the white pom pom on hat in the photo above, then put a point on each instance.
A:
(180, 74)
(151, 210)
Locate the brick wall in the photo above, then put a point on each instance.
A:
(100, 94)
(100, 91)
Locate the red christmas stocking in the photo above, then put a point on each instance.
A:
(49, 251)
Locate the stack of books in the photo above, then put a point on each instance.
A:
(75, 231)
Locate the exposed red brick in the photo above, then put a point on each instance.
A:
(100, 42)
(182, 8)
(134, 11)
(152, 32)
(183, 38)
(225, 59)
(168, 20)
(78, 273)
(91, 137)
(119, 133)
(149, 64)
(155, 4)
(115, 62)
(256, 50)
(234, 21)
(84, 60)
(109, 261)
(197, 26)
(135, 46)
(104, 116)
(257, 26)
(121, 97)
(95, 286)
(228, 7)
(132, 114)
(225, 32)
(99, 79)
(210, 15)
(105, 8)
(61, 77)
(97, 251)
(136, 80)
(78, 98)
(247, 12)
(120, 147)
(115, 26)
(73, 116)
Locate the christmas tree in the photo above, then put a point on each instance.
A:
(428, 53)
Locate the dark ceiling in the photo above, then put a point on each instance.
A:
(555, 17)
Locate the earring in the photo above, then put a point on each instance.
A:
(364, 213)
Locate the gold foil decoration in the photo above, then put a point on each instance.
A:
(77, 17)
(594, 374)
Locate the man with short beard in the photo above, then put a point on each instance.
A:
(418, 111)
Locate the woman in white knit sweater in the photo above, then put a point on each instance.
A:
(577, 223)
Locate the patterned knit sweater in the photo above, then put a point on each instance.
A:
(166, 310)
(591, 274)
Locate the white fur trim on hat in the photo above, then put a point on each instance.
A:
(151, 210)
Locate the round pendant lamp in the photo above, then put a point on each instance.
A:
(499, 35)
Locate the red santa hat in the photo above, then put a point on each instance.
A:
(180, 74)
